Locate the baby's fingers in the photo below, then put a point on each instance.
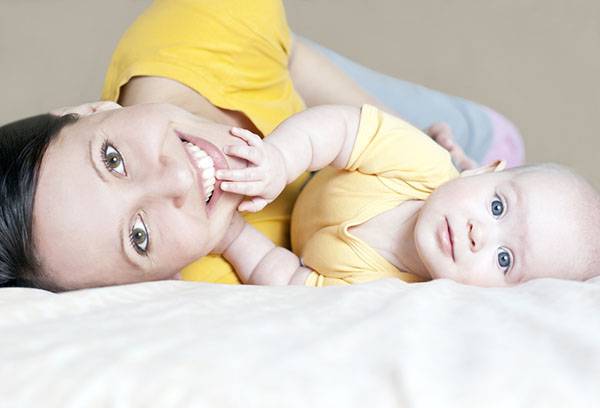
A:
(461, 160)
(248, 153)
(254, 205)
(442, 134)
(247, 136)
(467, 164)
(247, 174)
(251, 188)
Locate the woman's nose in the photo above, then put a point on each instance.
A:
(174, 180)
(476, 235)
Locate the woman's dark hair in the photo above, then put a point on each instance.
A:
(22, 147)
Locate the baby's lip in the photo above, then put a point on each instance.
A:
(446, 239)
(451, 236)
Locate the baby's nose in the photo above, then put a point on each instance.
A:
(475, 235)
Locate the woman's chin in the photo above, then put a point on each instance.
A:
(221, 216)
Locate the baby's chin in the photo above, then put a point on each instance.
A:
(426, 249)
(436, 270)
(437, 273)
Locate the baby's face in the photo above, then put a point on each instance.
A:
(502, 228)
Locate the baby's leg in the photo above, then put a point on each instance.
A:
(482, 133)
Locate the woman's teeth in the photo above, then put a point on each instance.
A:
(206, 168)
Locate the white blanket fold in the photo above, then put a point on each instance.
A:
(385, 344)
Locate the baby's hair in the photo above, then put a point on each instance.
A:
(587, 207)
(543, 167)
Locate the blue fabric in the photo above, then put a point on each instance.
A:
(421, 106)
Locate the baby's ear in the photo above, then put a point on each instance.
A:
(497, 165)
(86, 108)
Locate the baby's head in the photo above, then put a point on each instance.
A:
(498, 228)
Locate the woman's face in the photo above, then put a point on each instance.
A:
(121, 198)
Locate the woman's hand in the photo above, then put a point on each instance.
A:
(442, 135)
(265, 177)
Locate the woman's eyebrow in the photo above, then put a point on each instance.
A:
(123, 234)
(99, 173)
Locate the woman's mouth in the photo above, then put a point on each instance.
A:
(206, 158)
(205, 166)
(445, 239)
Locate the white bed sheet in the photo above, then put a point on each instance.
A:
(384, 344)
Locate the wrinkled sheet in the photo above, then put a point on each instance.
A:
(384, 344)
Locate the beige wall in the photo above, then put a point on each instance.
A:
(536, 61)
(55, 52)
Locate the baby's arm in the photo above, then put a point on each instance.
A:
(310, 140)
(258, 261)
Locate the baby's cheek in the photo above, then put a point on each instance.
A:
(446, 271)
(485, 276)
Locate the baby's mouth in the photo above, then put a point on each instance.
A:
(451, 237)
(445, 238)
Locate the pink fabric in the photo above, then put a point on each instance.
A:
(507, 143)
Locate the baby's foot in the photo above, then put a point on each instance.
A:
(442, 134)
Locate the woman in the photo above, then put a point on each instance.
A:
(228, 61)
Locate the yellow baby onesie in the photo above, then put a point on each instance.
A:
(391, 162)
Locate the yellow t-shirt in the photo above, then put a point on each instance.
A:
(391, 162)
(235, 53)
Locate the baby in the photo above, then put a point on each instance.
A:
(392, 204)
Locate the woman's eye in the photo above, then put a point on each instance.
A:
(504, 259)
(113, 160)
(139, 236)
(497, 207)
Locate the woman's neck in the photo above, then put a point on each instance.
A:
(149, 89)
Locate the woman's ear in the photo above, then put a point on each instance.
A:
(497, 165)
(86, 108)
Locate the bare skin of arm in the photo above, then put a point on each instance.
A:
(257, 260)
(320, 82)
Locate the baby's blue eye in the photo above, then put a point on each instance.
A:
(504, 259)
(497, 207)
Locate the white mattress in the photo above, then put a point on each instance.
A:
(385, 344)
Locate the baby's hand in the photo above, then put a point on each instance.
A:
(265, 177)
(442, 134)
